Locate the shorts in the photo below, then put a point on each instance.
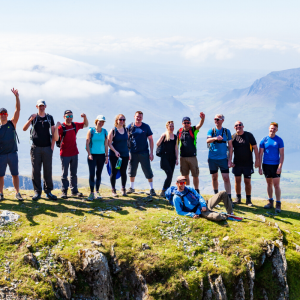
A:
(142, 158)
(188, 164)
(215, 164)
(246, 171)
(10, 159)
(270, 171)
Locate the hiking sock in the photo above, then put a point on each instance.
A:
(151, 185)
(278, 201)
(216, 191)
(248, 198)
(132, 185)
(271, 199)
(198, 191)
(239, 196)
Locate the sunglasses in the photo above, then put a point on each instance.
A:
(216, 119)
(4, 114)
(186, 122)
(69, 116)
(122, 120)
(238, 125)
(181, 182)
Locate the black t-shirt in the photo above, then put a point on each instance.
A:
(169, 147)
(187, 143)
(41, 131)
(242, 149)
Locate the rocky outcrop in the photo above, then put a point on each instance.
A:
(31, 260)
(217, 287)
(96, 269)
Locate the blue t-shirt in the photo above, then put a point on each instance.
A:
(271, 148)
(98, 141)
(139, 138)
(218, 150)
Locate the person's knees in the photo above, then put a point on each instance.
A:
(276, 185)
(226, 179)
(214, 177)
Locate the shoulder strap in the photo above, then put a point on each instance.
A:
(214, 132)
(74, 127)
(14, 128)
(191, 131)
(180, 133)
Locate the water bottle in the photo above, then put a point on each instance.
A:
(119, 163)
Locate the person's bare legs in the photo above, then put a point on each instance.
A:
(1, 184)
(16, 182)
(270, 187)
(227, 184)
(196, 182)
(247, 182)
(187, 179)
(238, 187)
(214, 178)
(276, 183)
(132, 179)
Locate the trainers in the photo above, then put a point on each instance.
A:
(19, 197)
(114, 193)
(78, 194)
(64, 195)
(152, 192)
(91, 197)
(36, 197)
(1, 197)
(269, 205)
(97, 195)
(249, 203)
(130, 191)
(237, 200)
(162, 194)
(278, 207)
(124, 193)
(50, 196)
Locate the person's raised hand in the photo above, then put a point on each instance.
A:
(15, 92)
(202, 115)
(83, 115)
(151, 156)
(90, 157)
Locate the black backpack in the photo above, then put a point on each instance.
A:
(58, 143)
(130, 136)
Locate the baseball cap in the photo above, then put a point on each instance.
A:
(41, 102)
(3, 110)
(179, 178)
(68, 111)
(186, 119)
(100, 118)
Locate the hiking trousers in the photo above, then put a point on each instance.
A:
(66, 162)
(212, 202)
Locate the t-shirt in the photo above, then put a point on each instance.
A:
(68, 143)
(139, 138)
(271, 148)
(41, 130)
(98, 141)
(187, 144)
(242, 149)
(8, 142)
(169, 147)
(218, 150)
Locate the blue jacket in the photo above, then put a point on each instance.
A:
(190, 202)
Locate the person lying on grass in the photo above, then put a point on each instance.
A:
(189, 203)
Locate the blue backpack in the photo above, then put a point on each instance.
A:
(170, 192)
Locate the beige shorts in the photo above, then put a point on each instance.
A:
(188, 164)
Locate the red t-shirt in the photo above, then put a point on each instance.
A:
(68, 144)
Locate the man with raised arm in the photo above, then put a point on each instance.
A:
(243, 143)
(139, 134)
(187, 143)
(69, 152)
(271, 155)
(8, 147)
(43, 134)
(220, 153)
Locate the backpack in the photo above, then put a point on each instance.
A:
(170, 192)
(35, 121)
(214, 134)
(130, 136)
(59, 142)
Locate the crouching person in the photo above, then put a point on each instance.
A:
(189, 203)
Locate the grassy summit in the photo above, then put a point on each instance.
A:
(181, 251)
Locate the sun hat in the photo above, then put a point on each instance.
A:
(41, 102)
(100, 118)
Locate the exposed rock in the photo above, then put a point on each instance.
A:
(138, 282)
(251, 275)
(270, 249)
(297, 248)
(64, 288)
(145, 247)
(71, 270)
(114, 261)
(185, 283)
(264, 293)
(217, 287)
(226, 238)
(217, 246)
(262, 218)
(280, 269)
(95, 267)
(8, 217)
(279, 231)
(208, 295)
(96, 243)
(31, 259)
(239, 292)
(29, 247)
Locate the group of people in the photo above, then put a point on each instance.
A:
(125, 147)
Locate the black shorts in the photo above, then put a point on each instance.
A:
(246, 171)
(270, 171)
(144, 160)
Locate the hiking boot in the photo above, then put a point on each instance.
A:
(249, 203)
(278, 207)
(162, 194)
(152, 192)
(91, 197)
(124, 193)
(97, 195)
(114, 193)
(19, 197)
(237, 200)
(36, 197)
(50, 196)
(64, 195)
(269, 205)
(1, 197)
(198, 191)
(130, 191)
(78, 194)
